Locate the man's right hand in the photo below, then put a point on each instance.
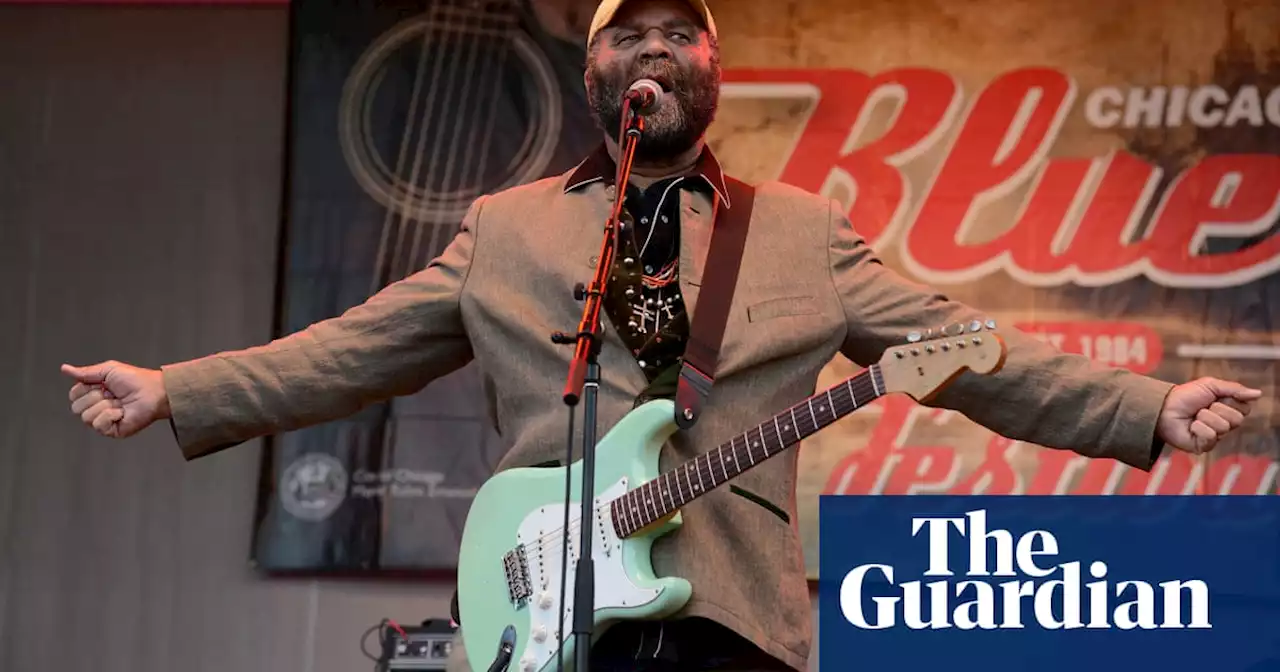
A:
(117, 400)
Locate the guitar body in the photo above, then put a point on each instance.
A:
(523, 509)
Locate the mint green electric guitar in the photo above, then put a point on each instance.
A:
(509, 566)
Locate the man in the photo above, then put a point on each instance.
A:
(809, 287)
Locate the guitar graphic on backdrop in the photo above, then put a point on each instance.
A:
(513, 544)
(457, 100)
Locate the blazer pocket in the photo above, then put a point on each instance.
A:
(768, 505)
(782, 307)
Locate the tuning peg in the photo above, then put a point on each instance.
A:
(975, 325)
(913, 337)
(991, 324)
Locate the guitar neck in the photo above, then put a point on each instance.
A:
(662, 496)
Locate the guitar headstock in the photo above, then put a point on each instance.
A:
(932, 359)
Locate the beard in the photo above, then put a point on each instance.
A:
(682, 118)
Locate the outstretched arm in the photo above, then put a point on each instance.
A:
(402, 338)
(1041, 395)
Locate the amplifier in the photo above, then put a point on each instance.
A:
(421, 647)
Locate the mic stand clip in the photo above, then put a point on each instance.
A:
(583, 384)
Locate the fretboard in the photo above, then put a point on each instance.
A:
(662, 496)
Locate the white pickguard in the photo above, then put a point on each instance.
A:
(613, 587)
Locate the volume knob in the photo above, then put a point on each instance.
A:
(540, 633)
(544, 599)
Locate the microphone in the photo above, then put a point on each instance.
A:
(645, 96)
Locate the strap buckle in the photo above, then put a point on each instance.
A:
(694, 386)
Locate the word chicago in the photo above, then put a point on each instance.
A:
(984, 602)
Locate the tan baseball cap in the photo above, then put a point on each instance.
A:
(607, 8)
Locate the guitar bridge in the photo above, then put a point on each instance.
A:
(515, 564)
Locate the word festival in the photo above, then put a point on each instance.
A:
(986, 602)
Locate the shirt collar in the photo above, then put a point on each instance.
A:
(599, 167)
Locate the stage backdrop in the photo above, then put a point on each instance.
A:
(1104, 175)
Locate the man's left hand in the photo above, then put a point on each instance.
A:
(1196, 415)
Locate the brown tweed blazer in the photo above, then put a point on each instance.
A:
(810, 287)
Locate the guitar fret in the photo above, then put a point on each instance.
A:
(689, 481)
(811, 415)
(831, 404)
(794, 423)
(649, 498)
(781, 443)
(635, 507)
(698, 471)
(736, 464)
(723, 468)
(633, 504)
(633, 514)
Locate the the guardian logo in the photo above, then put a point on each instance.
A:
(1051, 594)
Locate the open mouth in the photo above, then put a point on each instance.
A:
(664, 82)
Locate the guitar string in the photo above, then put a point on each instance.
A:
(437, 167)
(504, 20)
(494, 73)
(852, 388)
(383, 260)
(452, 32)
(397, 210)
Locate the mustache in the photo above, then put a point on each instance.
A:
(668, 75)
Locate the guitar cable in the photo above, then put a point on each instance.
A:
(564, 541)
(379, 662)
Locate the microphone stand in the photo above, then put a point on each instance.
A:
(584, 380)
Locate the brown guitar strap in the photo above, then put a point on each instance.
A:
(706, 329)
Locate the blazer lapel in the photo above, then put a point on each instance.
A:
(697, 219)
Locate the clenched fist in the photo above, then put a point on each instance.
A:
(117, 400)
(1197, 415)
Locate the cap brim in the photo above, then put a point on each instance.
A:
(609, 8)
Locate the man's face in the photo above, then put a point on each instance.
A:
(662, 40)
